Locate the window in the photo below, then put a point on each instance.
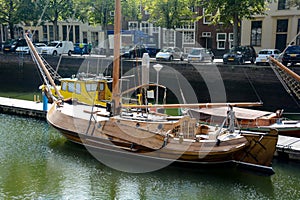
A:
(221, 40)
(51, 34)
(283, 5)
(145, 27)
(168, 36)
(71, 38)
(65, 32)
(132, 25)
(282, 26)
(78, 88)
(77, 33)
(64, 86)
(90, 87)
(190, 25)
(230, 40)
(71, 87)
(45, 33)
(101, 87)
(206, 17)
(155, 29)
(256, 32)
(188, 37)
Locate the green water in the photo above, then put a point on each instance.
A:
(38, 163)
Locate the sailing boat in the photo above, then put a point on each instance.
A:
(132, 139)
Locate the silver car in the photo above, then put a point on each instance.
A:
(200, 55)
(263, 56)
(169, 54)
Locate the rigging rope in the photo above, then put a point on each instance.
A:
(291, 85)
(252, 86)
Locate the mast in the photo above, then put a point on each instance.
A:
(116, 62)
(41, 64)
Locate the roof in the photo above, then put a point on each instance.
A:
(240, 113)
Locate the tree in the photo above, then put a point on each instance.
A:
(232, 12)
(56, 10)
(8, 14)
(294, 3)
(171, 13)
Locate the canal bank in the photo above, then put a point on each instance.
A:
(207, 82)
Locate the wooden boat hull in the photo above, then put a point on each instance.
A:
(103, 138)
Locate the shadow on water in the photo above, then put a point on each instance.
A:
(174, 181)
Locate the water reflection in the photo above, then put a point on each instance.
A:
(38, 163)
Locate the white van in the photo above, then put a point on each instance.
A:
(58, 48)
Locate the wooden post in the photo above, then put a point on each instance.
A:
(116, 63)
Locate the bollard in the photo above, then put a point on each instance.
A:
(45, 102)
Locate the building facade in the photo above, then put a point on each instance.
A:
(70, 31)
(277, 29)
(218, 38)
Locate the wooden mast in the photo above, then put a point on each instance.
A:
(116, 62)
(42, 65)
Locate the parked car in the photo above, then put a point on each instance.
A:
(169, 54)
(77, 49)
(58, 47)
(263, 56)
(13, 45)
(133, 52)
(39, 47)
(25, 49)
(240, 55)
(291, 55)
(200, 55)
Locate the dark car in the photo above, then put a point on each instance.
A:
(136, 51)
(78, 50)
(240, 55)
(291, 55)
(13, 45)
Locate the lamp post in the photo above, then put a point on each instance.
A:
(157, 68)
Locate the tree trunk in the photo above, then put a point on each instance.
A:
(12, 30)
(55, 30)
(236, 36)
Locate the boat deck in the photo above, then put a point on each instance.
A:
(289, 147)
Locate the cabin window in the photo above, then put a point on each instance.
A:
(101, 87)
(71, 87)
(91, 87)
(64, 86)
(78, 88)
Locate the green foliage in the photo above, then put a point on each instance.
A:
(229, 10)
(232, 12)
(171, 13)
(294, 3)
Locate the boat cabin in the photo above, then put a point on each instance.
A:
(87, 91)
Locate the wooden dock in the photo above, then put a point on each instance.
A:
(287, 147)
(22, 107)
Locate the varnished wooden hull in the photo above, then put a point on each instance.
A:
(101, 139)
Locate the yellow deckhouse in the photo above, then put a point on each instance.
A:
(87, 91)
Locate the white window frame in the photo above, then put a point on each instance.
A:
(221, 40)
(205, 18)
(145, 27)
(135, 27)
(188, 37)
(170, 41)
(230, 39)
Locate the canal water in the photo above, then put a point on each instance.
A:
(36, 162)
